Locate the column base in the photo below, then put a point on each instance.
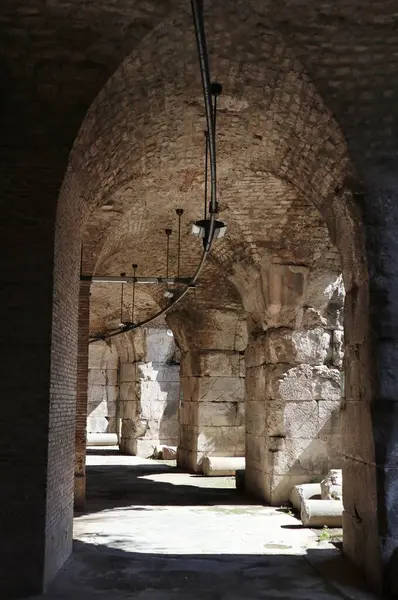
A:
(188, 460)
(128, 446)
(80, 491)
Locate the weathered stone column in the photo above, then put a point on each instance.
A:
(293, 388)
(212, 384)
(103, 387)
(149, 392)
(81, 394)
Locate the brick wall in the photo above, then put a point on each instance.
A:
(81, 394)
(37, 443)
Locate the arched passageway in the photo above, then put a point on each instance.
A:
(301, 134)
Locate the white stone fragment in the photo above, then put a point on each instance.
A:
(217, 466)
(332, 485)
(102, 439)
(321, 513)
(164, 452)
(306, 491)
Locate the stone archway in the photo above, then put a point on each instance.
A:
(280, 130)
(289, 152)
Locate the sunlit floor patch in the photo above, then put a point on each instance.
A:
(150, 532)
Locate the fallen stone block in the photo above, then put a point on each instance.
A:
(240, 480)
(306, 491)
(322, 513)
(332, 485)
(218, 466)
(164, 452)
(169, 453)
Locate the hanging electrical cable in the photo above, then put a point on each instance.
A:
(208, 229)
(135, 267)
(121, 301)
(168, 293)
(180, 212)
(206, 169)
(168, 233)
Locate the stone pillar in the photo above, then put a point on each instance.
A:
(149, 393)
(81, 395)
(293, 383)
(212, 385)
(370, 418)
(39, 299)
(103, 387)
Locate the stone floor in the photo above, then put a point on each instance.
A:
(150, 532)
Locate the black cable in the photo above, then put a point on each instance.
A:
(206, 168)
(168, 234)
(214, 207)
(121, 299)
(179, 212)
(197, 11)
(133, 304)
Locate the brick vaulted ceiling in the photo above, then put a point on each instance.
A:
(144, 138)
(121, 78)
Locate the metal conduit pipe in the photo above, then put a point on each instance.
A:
(132, 279)
(197, 12)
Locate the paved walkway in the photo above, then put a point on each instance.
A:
(150, 532)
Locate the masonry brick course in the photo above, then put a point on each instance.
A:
(81, 394)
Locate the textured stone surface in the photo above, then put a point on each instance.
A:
(277, 299)
(149, 396)
(293, 388)
(213, 330)
(212, 384)
(214, 363)
(133, 396)
(312, 346)
(103, 388)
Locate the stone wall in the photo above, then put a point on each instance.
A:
(293, 387)
(212, 414)
(212, 411)
(149, 393)
(103, 388)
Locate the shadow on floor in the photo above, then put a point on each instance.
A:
(102, 567)
(93, 451)
(112, 486)
(102, 572)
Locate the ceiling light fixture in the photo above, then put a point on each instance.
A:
(204, 228)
